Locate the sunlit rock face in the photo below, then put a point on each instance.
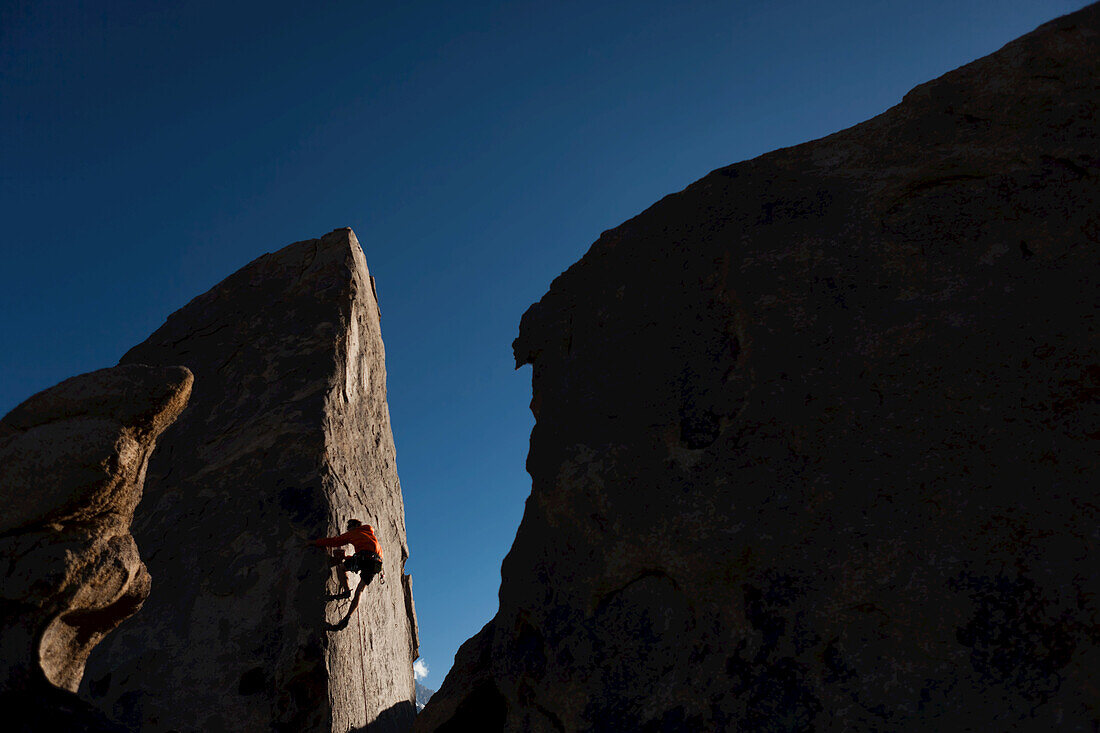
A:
(815, 439)
(72, 464)
(287, 437)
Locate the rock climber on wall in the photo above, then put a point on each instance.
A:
(367, 560)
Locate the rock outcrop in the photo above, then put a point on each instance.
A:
(815, 439)
(286, 438)
(72, 464)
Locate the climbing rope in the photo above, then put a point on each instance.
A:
(362, 647)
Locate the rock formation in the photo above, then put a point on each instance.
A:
(72, 464)
(815, 439)
(286, 438)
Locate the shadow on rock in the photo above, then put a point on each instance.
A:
(394, 719)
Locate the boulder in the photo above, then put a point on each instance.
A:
(287, 437)
(72, 465)
(815, 439)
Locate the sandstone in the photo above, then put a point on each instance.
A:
(815, 439)
(286, 438)
(72, 464)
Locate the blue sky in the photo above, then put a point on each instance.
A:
(148, 150)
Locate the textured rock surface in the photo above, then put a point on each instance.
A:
(815, 439)
(287, 436)
(72, 465)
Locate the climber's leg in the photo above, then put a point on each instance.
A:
(342, 574)
(337, 561)
(343, 623)
(355, 599)
(372, 566)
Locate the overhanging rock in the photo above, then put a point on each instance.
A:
(72, 463)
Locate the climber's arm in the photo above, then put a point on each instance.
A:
(337, 541)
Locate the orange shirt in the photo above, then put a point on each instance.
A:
(361, 538)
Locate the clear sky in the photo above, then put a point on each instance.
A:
(148, 150)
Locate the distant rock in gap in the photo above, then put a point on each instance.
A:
(423, 694)
(286, 438)
(816, 438)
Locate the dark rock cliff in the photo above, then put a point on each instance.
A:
(816, 437)
(286, 438)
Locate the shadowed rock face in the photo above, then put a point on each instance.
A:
(815, 437)
(72, 464)
(286, 438)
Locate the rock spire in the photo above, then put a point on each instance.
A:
(286, 438)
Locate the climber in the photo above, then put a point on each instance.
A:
(367, 560)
